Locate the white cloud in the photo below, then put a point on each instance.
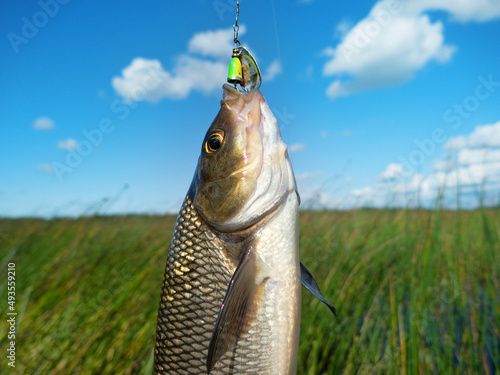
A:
(68, 144)
(485, 136)
(146, 79)
(43, 123)
(393, 170)
(482, 136)
(394, 41)
(479, 177)
(442, 165)
(272, 71)
(203, 68)
(218, 43)
(374, 54)
(362, 192)
(455, 143)
(47, 168)
(478, 156)
(316, 198)
(460, 10)
(470, 164)
(297, 147)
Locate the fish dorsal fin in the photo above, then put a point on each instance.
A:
(238, 306)
(311, 285)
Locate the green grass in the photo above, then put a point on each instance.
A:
(417, 292)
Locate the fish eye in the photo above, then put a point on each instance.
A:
(214, 142)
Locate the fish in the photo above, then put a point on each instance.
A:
(231, 293)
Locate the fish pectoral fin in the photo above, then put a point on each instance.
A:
(238, 306)
(311, 285)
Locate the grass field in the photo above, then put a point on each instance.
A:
(417, 292)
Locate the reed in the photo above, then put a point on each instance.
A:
(417, 292)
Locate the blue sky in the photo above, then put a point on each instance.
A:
(104, 106)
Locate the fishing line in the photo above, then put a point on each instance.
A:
(276, 32)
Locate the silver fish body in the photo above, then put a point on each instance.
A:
(230, 301)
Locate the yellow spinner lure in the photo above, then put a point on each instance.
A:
(243, 69)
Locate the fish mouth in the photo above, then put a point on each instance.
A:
(230, 92)
(250, 175)
(274, 180)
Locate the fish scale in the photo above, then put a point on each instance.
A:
(194, 285)
(191, 296)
